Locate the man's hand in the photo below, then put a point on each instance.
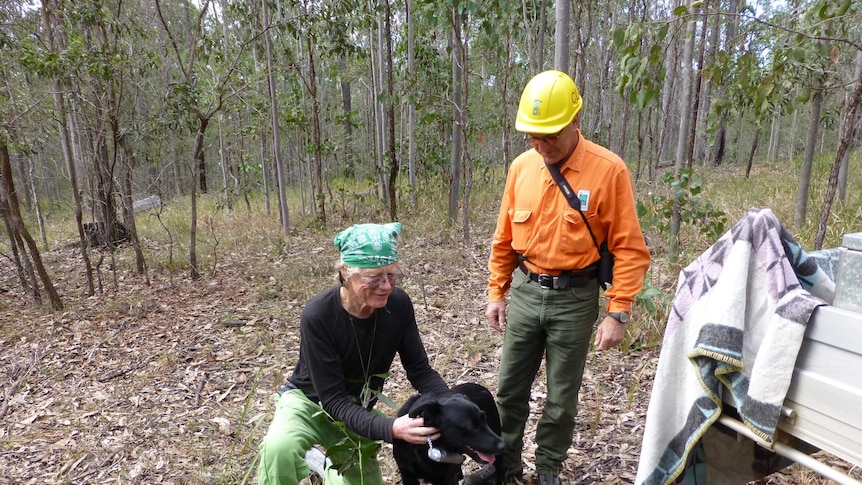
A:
(413, 430)
(496, 315)
(610, 333)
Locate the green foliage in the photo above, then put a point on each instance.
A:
(351, 450)
(640, 64)
(647, 297)
(685, 194)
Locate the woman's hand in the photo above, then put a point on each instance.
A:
(413, 430)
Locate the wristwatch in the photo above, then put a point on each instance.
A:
(621, 317)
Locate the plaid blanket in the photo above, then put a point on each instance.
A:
(737, 322)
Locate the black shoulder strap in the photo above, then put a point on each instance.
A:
(573, 199)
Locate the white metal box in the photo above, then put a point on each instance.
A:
(825, 393)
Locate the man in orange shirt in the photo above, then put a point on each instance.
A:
(543, 251)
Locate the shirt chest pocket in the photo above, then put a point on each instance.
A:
(521, 227)
(573, 233)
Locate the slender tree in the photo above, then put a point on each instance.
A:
(55, 44)
(562, 34)
(274, 119)
(850, 133)
(685, 115)
(390, 113)
(12, 213)
(455, 168)
(203, 108)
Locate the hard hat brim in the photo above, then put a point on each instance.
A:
(525, 127)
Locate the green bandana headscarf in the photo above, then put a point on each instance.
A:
(369, 245)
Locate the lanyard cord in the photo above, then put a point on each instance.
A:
(366, 366)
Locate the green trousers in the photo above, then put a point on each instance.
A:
(299, 424)
(559, 325)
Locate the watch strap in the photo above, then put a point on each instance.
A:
(622, 317)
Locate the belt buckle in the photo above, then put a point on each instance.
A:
(546, 281)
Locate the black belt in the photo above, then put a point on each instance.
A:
(566, 279)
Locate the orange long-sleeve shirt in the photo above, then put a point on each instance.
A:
(536, 221)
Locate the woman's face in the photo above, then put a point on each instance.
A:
(374, 285)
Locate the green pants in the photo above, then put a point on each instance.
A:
(558, 324)
(299, 424)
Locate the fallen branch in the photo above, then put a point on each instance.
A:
(122, 372)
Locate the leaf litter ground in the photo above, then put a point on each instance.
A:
(171, 382)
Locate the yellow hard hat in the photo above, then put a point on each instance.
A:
(549, 102)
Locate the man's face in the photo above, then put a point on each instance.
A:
(555, 147)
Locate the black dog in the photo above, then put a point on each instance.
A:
(469, 424)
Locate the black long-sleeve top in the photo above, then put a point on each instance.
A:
(338, 351)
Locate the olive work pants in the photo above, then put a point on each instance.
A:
(558, 324)
(299, 424)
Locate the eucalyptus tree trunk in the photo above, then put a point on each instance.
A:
(276, 130)
(376, 59)
(457, 119)
(534, 34)
(105, 205)
(620, 148)
(808, 160)
(561, 36)
(195, 273)
(719, 148)
(845, 162)
(504, 94)
(128, 204)
(668, 89)
(52, 26)
(390, 115)
(37, 206)
(849, 134)
(698, 82)
(460, 21)
(348, 150)
(223, 162)
(18, 227)
(682, 141)
(201, 108)
(583, 36)
(319, 188)
(708, 90)
(602, 130)
(123, 148)
(24, 270)
(411, 105)
(539, 53)
(751, 153)
(774, 132)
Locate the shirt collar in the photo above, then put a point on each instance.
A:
(576, 159)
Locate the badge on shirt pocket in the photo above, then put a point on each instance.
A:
(584, 198)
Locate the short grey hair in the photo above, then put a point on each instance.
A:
(348, 270)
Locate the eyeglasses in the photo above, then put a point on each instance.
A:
(394, 279)
(551, 139)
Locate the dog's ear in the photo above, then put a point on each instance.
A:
(428, 408)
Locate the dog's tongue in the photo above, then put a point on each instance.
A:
(486, 457)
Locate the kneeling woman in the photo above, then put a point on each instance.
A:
(349, 337)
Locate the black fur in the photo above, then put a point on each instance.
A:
(469, 423)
